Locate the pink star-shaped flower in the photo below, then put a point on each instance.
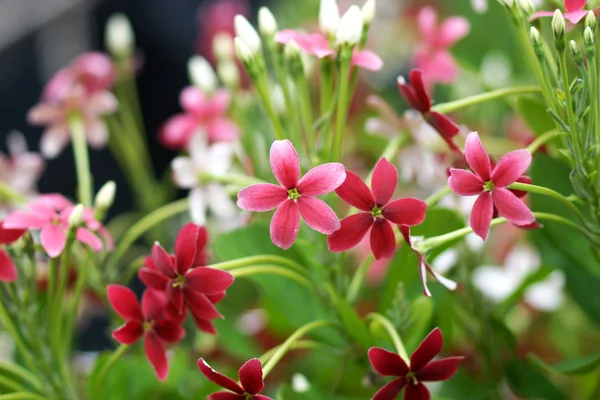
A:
(575, 11)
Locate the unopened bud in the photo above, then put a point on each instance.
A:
(527, 7)
(242, 51)
(292, 51)
(576, 52)
(349, 31)
(76, 216)
(202, 74)
(589, 40)
(228, 73)
(105, 196)
(368, 12)
(119, 38)
(558, 28)
(590, 20)
(329, 17)
(536, 40)
(223, 46)
(278, 100)
(245, 31)
(266, 22)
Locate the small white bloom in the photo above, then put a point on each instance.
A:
(547, 295)
(252, 322)
(202, 74)
(242, 50)
(105, 196)
(480, 6)
(300, 384)
(266, 22)
(329, 17)
(119, 37)
(445, 261)
(223, 46)
(245, 31)
(76, 216)
(350, 28)
(368, 12)
(228, 73)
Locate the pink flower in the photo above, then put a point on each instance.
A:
(294, 197)
(202, 113)
(50, 214)
(316, 44)
(575, 11)
(432, 56)
(251, 382)
(377, 212)
(490, 185)
(20, 169)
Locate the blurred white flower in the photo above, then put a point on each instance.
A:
(300, 384)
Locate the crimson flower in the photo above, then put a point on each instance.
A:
(377, 212)
(147, 321)
(421, 369)
(251, 379)
(490, 185)
(415, 94)
(184, 281)
(575, 11)
(294, 197)
(8, 270)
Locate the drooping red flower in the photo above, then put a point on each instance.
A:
(490, 185)
(148, 321)
(294, 197)
(575, 11)
(377, 212)
(415, 94)
(251, 379)
(183, 277)
(411, 376)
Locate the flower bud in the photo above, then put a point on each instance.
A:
(76, 216)
(105, 196)
(202, 74)
(329, 17)
(223, 46)
(245, 31)
(576, 52)
(589, 40)
(242, 50)
(590, 20)
(527, 7)
(228, 73)
(368, 12)
(266, 22)
(536, 40)
(292, 51)
(119, 38)
(558, 28)
(350, 29)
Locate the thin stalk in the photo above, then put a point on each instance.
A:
(358, 279)
(56, 312)
(271, 269)
(82, 160)
(342, 106)
(282, 77)
(26, 376)
(116, 355)
(262, 259)
(303, 94)
(22, 396)
(562, 60)
(543, 139)
(79, 285)
(9, 194)
(326, 85)
(398, 344)
(437, 196)
(262, 87)
(485, 97)
(299, 345)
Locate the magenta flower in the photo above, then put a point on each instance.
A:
(490, 185)
(147, 321)
(377, 212)
(316, 44)
(294, 197)
(433, 56)
(251, 382)
(575, 11)
(202, 113)
(421, 369)
(50, 214)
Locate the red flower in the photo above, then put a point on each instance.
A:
(148, 321)
(251, 380)
(378, 213)
(8, 270)
(415, 94)
(198, 287)
(421, 369)
(490, 184)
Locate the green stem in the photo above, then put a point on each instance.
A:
(79, 285)
(25, 376)
(262, 259)
(485, 97)
(116, 355)
(82, 160)
(18, 339)
(549, 193)
(262, 87)
(437, 196)
(271, 269)
(22, 396)
(393, 335)
(326, 86)
(542, 140)
(594, 119)
(342, 105)
(292, 112)
(287, 345)
(8, 194)
(299, 345)
(58, 307)
(358, 278)
(303, 94)
(562, 61)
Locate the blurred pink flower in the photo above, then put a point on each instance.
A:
(575, 11)
(20, 169)
(202, 112)
(432, 56)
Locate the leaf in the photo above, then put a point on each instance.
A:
(527, 382)
(578, 366)
(421, 314)
(355, 327)
(533, 111)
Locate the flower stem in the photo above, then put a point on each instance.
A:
(542, 140)
(326, 87)
(287, 345)
(303, 94)
(116, 355)
(485, 97)
(82, 160)
(262, 87)
(79, 285)
(437, 196)
(262, 259)
(282, 77)
(271, 269)
(393, 335)
(342, 105)
(10, 195)
(22, 396)
(358, 278)
(7, 369)
(299, 345)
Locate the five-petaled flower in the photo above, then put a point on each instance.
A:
(575, 11)
(294, 197)
(147, 321)
(490, 185)
(377, 212)
(183, 276)
(420, 369)
(251, 382)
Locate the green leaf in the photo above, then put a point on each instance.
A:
(527, 382)
(421, 313)
(533, 111)
(354, 326)
(578, 366)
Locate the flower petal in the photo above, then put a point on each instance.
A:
(416, 392)
(356, 193)
(218, 378)
(352, 230)
(205, 325)
(124, 302)
(197, 200)
(178, 130)
(510, 167)
(200, 305)
(175, 296)
(54, 139)
(22, 220)
(8, 270)
(383, 241)
(129, 333)
(154, 304)
(85, 236)
(185, 247)
(427, 21)
(153, 278)
(157, 355)
(384, 181)
(222, 130)
(464, 183)
(225, 396)
(367, 59)
(387, 363)
(53, 239)
(439, 370)
(285, 163)
(481, 214)
(162, 260)
(251, 376)
(452, 30)
(168, 331)
(511, 207)
(185, 174)
(261, 197)
(391, 390)
(418, 83)
(445, 126)
(407, 211)
(477, 157)
(285, 225)
(208, 280)
(322, 179)
(427, 350)
(541, 14)
(318, 215)
(574, 5)
(575, 16)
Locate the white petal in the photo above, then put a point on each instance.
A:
(494, 282)
(16, 143)
(548, 294)
(198, 147)
(185, 174)
(218, 158)
(54, 140)
(197, 200)
(219, 202)
(445, 261)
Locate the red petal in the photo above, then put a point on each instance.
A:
(208, 280)
(205, 325)
(416, 392)
(251, 376)
(510, 167)
(439, 370)
(511, 207)
(218, 378)
(318, 215)
(225, 396)
(162, 261)
(169, 331)
(285, 224)
(445, 126)
(522, 179)
(8, 270)
(154, 304)
(175, 296)
(464, 183)
(8, 236)
(124, 302)
(352, 230)
(261, 197)
(384, 181)
(201, 306)
(185, 247)
(201, 242)
(383, 241)
(156, 354)
(408, 211)
(322, 179)
(129, 333)
(409, 95)
(153, 278)
(574, 5)
(285, 163)
(215, 298)
(417, 82)
(354, 192)
(391, 390)
(387, 363)
(481, 215)
(477, 157)
(427, 350)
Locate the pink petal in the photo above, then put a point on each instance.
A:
(354, 192)
(124, 302)
(510, 167)
(201, 306)
(427, 350)
(481, 214)
(391, 390)
(540, 14)
(102, 103)
(285, 163)
(416, 392)
(407, 211)
(222, 130)
(287, 35)
(177, 131)
(511, 207)
(168, 331)
(427, 21)
(53, 240)
(383, 241)
(22, 220)
(464, 183)
(175, 296)
(319, 45)
(44, 114)
(477, 157)
(153, 279)
(129, 333)
(185, 247)
(218, 378)
(437, 65)
(318, 215)
(8, 270)
(89, 238)
(367, 59)
(154, 304)
(285, 225)
(418, 83)
(322, 179)
(384, 181)
(162, 261)
(193, 100)
(208, 280)
(219, 102)
(352, 230)
(439, 370)
(452, 30)
(96, 132)
(251, 376)
(387, 363)
(54, 139)
(575, 16)
(225, 396)
(574, 5)
(261, 197)
(157, 355)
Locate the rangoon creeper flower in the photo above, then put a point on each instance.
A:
(490, 185)
(433, 56)
(8, 270)
(249, 388)
(575, 11)
(350, 29)
(119, 37)
(20, 169)
(202, 74)
(147, 320)
(201, 113)
(377, 212)
(266, 22)
(214, 160)
(410, 377)
(329, 17)
(294, 197)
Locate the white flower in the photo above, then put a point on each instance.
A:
(242, 50)
(202, 74)
(245, 31)
(350, 28)
(368, 12)
(119, 38)
(329, 17)
(228, 73)
(266, 22)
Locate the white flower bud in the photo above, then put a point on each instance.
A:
(202, 74)
(76, 216)
(245, 31)
(223, 46)
(350, 29)
(105, 196)
(292, 50)
(558, 24)
(243, 51)
(527, 7)
(266, 22)
(329, 17)
(119, 38)
(590, 20)
(278, 100)
(228, 73)
(368, 12)
(534, 34)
